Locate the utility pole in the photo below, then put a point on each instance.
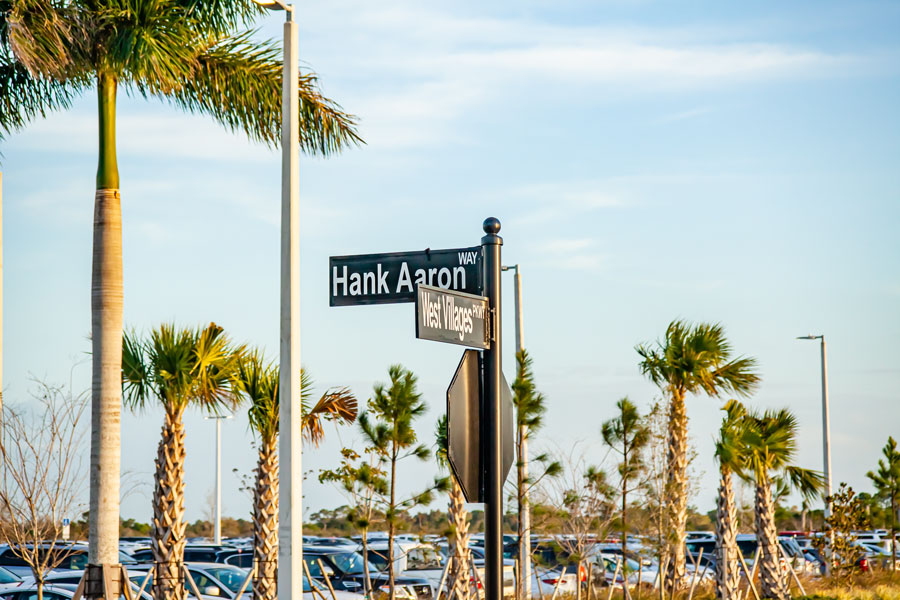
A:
(523, 588)
(826, 444)
(217, 523)
(492, 432)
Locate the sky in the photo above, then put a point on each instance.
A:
(721, 162)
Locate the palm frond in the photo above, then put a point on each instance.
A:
(148, 42)
(221, 16)
(806, 481)
(25, 97)
(136, 381)
(237, 80)
(337, 404)
(257, 380)
(43, 36)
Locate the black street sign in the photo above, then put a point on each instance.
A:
(452, 317)
(464, 424)
(393, 277)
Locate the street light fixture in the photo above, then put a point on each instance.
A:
(826, 433)
(217, 526)
(290, 473)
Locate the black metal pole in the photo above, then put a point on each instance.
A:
(493, 486)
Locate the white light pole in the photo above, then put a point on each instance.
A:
(826, 435)
(525, 541)
(290, 474)
(217, 524)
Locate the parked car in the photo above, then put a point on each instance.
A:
(30, 592)
(345, 569)
(213, 580)
(8, 580)
(73, 578)
(69, 557)
(192, 553)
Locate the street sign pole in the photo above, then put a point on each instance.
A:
(491, 433)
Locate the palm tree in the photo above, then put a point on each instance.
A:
(887, 485)
(177, 369)
(258, 383)
(457, 575)
(627, 435)
(732, 456)
(189, 52)
(387, 429)
(771, 445)
(692, 359)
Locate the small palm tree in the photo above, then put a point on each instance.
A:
(258, 383)
(387, 429)
(176, 368)
(457, 575)
(693, 359)
(771, 445)
(732, 456)
(628, 435)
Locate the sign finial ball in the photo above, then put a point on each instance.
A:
(491, 225)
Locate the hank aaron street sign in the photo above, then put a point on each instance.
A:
(393, 277)
(464, 423)
(452, 317)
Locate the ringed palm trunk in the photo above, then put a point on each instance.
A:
(770, 575)
(167, 531)
(265, 523)
(106, 339)
(458, 576)
(676, 490)
(727, 563)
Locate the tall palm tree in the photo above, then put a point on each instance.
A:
(771, 445)
(732, 456)
(457, 575)
(191, 53)
(693, 359)
(258, 383)
(176, 368)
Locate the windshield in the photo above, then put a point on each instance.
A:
(7, 577)
(350, 563)
(232, 578)
(423, 557)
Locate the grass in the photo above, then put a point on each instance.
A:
(880, 585)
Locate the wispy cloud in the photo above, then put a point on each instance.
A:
(462, 65)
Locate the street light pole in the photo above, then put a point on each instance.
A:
(290, 474)
(524, 585)
(826, 435)
(217, 523)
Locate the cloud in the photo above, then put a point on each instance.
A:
(580, 254)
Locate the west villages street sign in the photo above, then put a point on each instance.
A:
(393, 277)
(452, 317)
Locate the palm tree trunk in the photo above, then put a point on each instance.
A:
(458, 577)
(676, 490)
(265, 522)
(624, 502)
(727, 564)
(770, 575)
(167, 530)
(391, 518)
(520, 504)
(106, 342)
